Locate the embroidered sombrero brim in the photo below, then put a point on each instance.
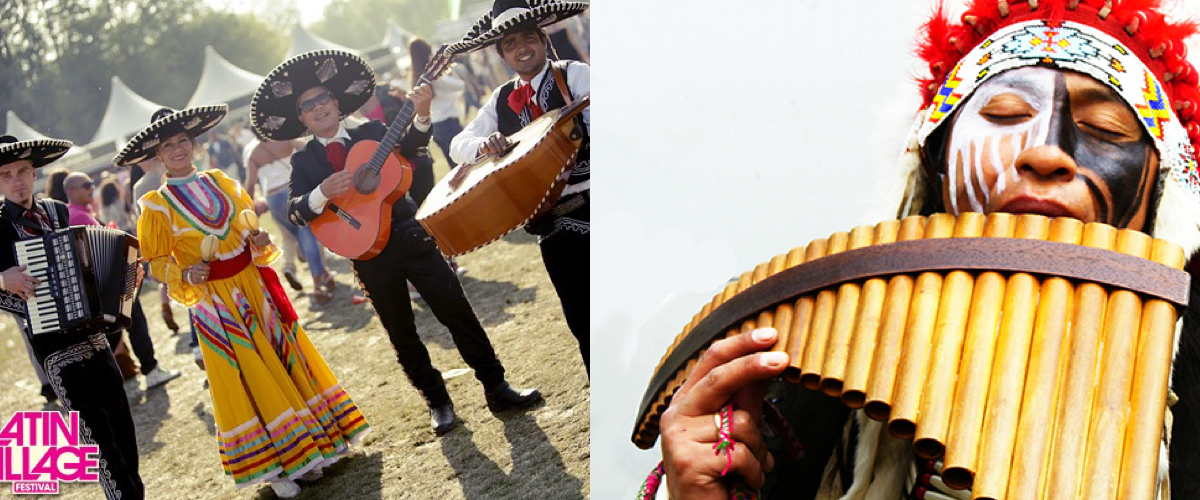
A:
(488, 31)
(195, 121)
(273, 110)
(40, 152)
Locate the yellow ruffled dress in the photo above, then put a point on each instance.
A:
(279, 410)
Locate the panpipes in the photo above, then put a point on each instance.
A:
(1031, 355)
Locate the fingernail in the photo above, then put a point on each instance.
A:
(763, 334)
(774, 359)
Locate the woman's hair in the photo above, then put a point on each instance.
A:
(54, 184)
(419, 53)
(110, 193)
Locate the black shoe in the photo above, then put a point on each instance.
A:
(444, 419)
(503, 398)
(290, 276)
(48, 393)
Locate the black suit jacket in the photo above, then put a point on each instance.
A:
(310, 167)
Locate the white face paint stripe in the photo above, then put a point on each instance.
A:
(973, 133)
(968, 181)
(956, 156)
(996, 160)
(982, 150)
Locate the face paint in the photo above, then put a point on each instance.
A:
(993, 153)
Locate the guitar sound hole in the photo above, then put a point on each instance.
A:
(366, 181)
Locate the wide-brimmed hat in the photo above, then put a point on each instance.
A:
(40, 152)
(510, 16)
(273, 110)
(165, 123)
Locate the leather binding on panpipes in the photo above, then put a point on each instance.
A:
(1031, 355)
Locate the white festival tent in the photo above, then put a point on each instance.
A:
(126, 114)
(17, 127)
(221, 82)
(305, 41)
(397, 39)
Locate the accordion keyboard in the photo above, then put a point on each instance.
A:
(59, 296)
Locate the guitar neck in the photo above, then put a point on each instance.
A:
(395, 131)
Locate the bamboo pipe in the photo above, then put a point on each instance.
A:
(784, 312)
(1078, 387)
(822, 319)
(918, 336)
(1008, 370)
(886, 354)
(1044, 373)
(866, 327)
(933, 423)
(1111, 406)
(845, 318)
(975, 369)
(802, 315)
(1151, 373)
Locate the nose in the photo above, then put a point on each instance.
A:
(1047, 163)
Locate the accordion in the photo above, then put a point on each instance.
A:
(88, 279)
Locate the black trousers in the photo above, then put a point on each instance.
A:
(412, 255)
(139, 338)
(567, 255)
(86, 379)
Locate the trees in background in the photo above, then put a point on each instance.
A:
(57, 58)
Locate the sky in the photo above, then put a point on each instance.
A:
(727, 133)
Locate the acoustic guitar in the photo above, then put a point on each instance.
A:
(357, 224)
(484, 200)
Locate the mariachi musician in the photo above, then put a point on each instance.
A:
(1099, 126)
(515, 27)
(79, 364)
(312, 93)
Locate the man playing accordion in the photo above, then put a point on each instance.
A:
(1063, 108)
(79, 363)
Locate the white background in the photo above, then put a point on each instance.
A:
(726, 133)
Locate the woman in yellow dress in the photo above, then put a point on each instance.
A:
(280, 413)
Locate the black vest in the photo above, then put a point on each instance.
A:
(548, 98)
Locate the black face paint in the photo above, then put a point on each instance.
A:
(1121, 165)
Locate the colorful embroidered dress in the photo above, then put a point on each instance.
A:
(279, 410)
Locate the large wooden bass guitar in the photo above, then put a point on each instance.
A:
(357, 224)
(490, 197)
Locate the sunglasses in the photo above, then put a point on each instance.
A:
(310, 104)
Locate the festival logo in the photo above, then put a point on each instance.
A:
(39, 449)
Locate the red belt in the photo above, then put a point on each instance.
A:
(228, 268)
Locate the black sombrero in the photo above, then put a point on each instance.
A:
(273, 110)
(165, 123)
(508, 16)
(40, 152)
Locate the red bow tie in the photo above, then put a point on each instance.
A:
(522, 98)
(335, 152)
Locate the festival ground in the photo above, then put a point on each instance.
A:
(542, 453)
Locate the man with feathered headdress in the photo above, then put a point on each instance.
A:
(1076, 108)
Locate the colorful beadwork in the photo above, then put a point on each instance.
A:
(203, 205)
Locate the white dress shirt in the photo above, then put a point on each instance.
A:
(465, 146)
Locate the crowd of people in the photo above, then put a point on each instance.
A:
(182, 186)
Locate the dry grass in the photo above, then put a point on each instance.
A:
(542, 453)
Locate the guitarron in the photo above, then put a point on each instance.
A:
(486, 199)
